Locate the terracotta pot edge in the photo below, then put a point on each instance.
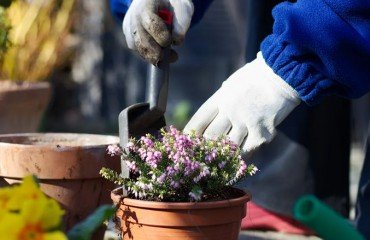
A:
(55, 148)
(18, 177)
(183, 205)
(25, 86)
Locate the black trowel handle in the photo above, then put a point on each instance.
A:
(159, 75)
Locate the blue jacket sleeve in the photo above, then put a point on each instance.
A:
(120, 7)
(200, 7)
(321, 47)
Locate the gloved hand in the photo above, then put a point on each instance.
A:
(247, 107)
(147, 33)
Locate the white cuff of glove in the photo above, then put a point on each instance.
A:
(247, 108)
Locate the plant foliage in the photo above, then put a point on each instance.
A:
(178, 167)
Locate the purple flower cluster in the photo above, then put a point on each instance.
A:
(114, 150)
(146, 150)
(181, 167)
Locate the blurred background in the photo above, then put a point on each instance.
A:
(102, 76)
(79, 50)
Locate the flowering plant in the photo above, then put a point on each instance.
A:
(179, 167)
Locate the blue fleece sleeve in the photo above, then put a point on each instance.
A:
(120, 7)
(321, 47)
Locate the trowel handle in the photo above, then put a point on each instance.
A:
(159, 75)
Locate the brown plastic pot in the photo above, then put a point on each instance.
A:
(67, 166)
(22, 105)
(147, 220)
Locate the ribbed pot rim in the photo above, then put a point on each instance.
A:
(183, 205)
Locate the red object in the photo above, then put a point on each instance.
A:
(258, 218)
(166, 15)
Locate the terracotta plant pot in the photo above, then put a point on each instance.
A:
(22, 105)
(147, 220)
(67, 166)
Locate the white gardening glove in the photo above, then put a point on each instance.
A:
(147, 33)
(247, 107)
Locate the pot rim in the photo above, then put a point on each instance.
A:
(183, 205)
(110, 139)
(23, 86)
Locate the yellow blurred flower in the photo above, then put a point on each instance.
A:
(26, 213)
(27, 190)
(36, 220)
(5, 196)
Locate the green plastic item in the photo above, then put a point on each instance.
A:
(86, 229)
(323, 220)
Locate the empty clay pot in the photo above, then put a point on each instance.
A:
(22, 105)
(148, 220)
(67, 166)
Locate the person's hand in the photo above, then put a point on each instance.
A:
(247, 108)
(147, 33)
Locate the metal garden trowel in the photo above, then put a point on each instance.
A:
(148, 117)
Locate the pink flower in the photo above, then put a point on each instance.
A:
(175, 184)
(253, 171)
(114, 150)
(147, 141)
(132, 166)
(171, 171)
(222, 164)
(173, 131)
(153, 157)
(175, 160)
(142, 153)
(242, 169)
(211, 156)
(131, 147)
(162, 178)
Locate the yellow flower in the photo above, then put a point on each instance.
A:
(5, 196)
(37, 220)
(27, 190)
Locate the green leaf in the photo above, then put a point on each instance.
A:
(85, 229)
